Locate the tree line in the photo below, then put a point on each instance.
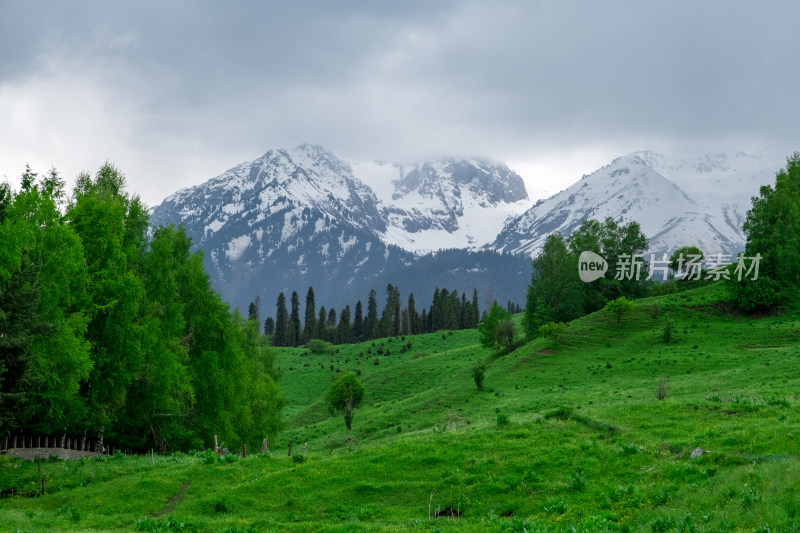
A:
(110, 328)
(448, 310)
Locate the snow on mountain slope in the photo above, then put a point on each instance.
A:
(290, 219)
(444, 203)
(634, 188)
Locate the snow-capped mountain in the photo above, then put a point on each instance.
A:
(444, 203)
(686, 202)
(290, 219)
(305, 217)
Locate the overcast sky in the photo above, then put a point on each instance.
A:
(176, 92)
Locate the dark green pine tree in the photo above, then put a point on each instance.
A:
(358, 323)
(435, 315)
(343, 331)
(413, 317)
(396, 312)
(453, 311)
(462, 315)
(269, 326)
(476, 310)
(294, 330)
(323, 316)
(330, 326)
(310, 325)
(281, 322)
(371, 322)
(253, 309)
(386, 324)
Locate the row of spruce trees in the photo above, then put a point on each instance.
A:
(448, 311)
(110, 329)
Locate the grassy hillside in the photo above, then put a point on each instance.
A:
(567, 434)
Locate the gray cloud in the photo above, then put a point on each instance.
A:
(175, 92)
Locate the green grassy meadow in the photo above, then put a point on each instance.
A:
(565, 436)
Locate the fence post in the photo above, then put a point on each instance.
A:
(304, 448)
(39, 441)
(14, 442)
(216, 445)
(63, 438)
(46, 441)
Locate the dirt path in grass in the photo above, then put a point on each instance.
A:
(175, 500)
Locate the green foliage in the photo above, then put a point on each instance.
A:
(668, 329)
(556, 291)
(111, 330)
(345, 394)
(44, 356)
(552, 330)
(617, 308)
(681, 256)
(576, 468)
(478, 374)
(611, 240)
(318, 346)
(496, 330)
(756, 295)
(772, 226)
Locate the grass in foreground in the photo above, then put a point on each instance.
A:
(567, 434)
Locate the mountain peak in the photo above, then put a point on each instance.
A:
(677, 202)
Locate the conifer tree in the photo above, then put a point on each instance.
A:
(412, 314)
(281, 322)
(294, 321)
(396, 312)
(343, 330)
(310, 324)
(323, 316)
(476, 310)
(358, 323)
(371, 322)
(253, 309)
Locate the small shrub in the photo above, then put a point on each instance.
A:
(562, 413)
(298, 458)
(358, 372)
(617, 308)
(478, 374)
(661, 391)
(756, 295)
(502, 419)
(654, 309)
(318, 346)
(661, 525)
(552, 330)
(220, 507)
(555, 506)
(667, 330)
(577, 482)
